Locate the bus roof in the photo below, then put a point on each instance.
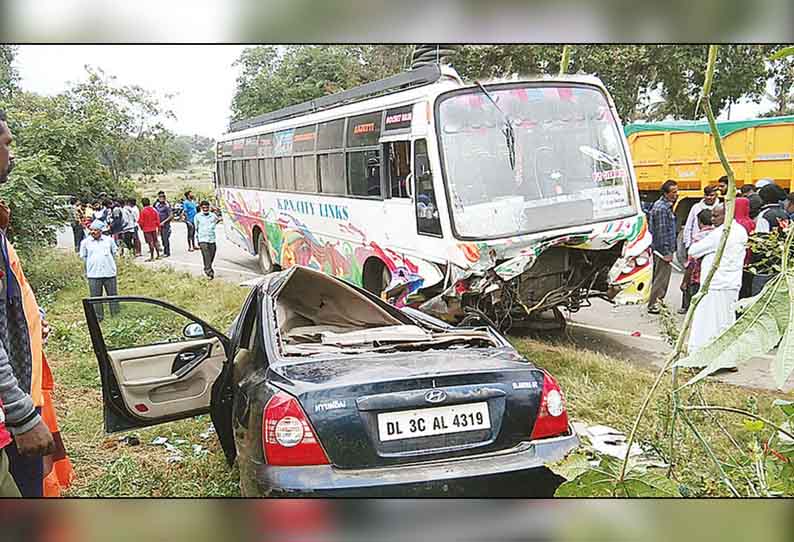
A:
(723, 127)
(428, 82)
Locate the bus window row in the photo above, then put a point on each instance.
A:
(344, 174)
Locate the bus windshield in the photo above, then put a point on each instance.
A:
(526, 158)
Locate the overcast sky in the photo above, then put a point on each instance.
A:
(201, 76)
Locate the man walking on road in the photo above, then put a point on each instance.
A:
(190, 209)
(132, 207)
(663, 229)
(99, 253)
(205, 231)
(165, 212)
(19, 417)
(149, 222)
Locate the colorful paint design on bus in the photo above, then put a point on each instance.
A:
(291, 241)
(344, 250)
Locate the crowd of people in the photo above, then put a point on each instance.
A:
(111, 226)
(760, 210)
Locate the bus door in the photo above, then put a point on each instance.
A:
(399, 218)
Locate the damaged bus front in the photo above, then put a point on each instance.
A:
(541, 201)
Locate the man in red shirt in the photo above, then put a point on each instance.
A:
(149, 223)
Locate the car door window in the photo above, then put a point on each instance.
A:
(157, 363)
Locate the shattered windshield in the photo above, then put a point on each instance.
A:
(569, 168)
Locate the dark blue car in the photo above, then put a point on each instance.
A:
(322, 388)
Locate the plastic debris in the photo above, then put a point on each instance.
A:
(175, 458)
(179, 442)
(609, 441)
(159, 441)
(199, 450)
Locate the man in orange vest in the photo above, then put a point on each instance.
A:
(23, 333)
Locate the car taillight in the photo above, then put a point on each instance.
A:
(552, 419)
(289, 440)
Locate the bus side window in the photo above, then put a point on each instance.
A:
(427, 216)
(397, 154)
(363, 171)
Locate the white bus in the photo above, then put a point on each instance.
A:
(499, 201)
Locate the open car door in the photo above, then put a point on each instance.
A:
(157, 362)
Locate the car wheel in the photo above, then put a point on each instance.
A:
(263, 253)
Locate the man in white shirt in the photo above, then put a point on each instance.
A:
(99, 251)
(132, 205)
(715, 312)
(708, 202)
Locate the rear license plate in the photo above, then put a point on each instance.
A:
(426, 422)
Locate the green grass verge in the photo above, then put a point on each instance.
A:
(599, 389)
(604, 390)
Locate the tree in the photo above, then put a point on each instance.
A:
(9, 78)
(781, 73)
(273, 77)
(634, 74)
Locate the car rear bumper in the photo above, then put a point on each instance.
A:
(430, 477)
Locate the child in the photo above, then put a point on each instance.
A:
(691, 280)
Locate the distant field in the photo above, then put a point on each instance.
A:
(175, 183)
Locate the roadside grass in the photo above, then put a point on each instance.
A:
(104, 465)
(599, 389)
(608, 391)
(197, 178)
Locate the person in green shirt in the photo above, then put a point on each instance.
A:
(205, 223)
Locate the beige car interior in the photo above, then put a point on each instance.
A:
(316, 313)
(151, 391)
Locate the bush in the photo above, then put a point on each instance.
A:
(49, 270)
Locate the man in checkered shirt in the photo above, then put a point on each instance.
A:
(663, 230)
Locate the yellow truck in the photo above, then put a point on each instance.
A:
(684, 151)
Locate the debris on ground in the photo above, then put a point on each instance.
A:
(159, 441)
(609, 441)
(208, 433)
(130, 440)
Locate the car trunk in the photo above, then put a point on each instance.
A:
(380, 388)
(362, 407)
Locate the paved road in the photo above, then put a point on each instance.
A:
(625, 332)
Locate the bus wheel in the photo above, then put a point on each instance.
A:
(376, 276)
(263, 254)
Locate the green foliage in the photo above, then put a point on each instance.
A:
(780, 71)
(759, 329)
(767, 249)
(36, 210)
(602, 480)
(273, 77)
(632, 72)
(9, 78)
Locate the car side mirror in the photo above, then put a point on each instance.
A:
(193, 331)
